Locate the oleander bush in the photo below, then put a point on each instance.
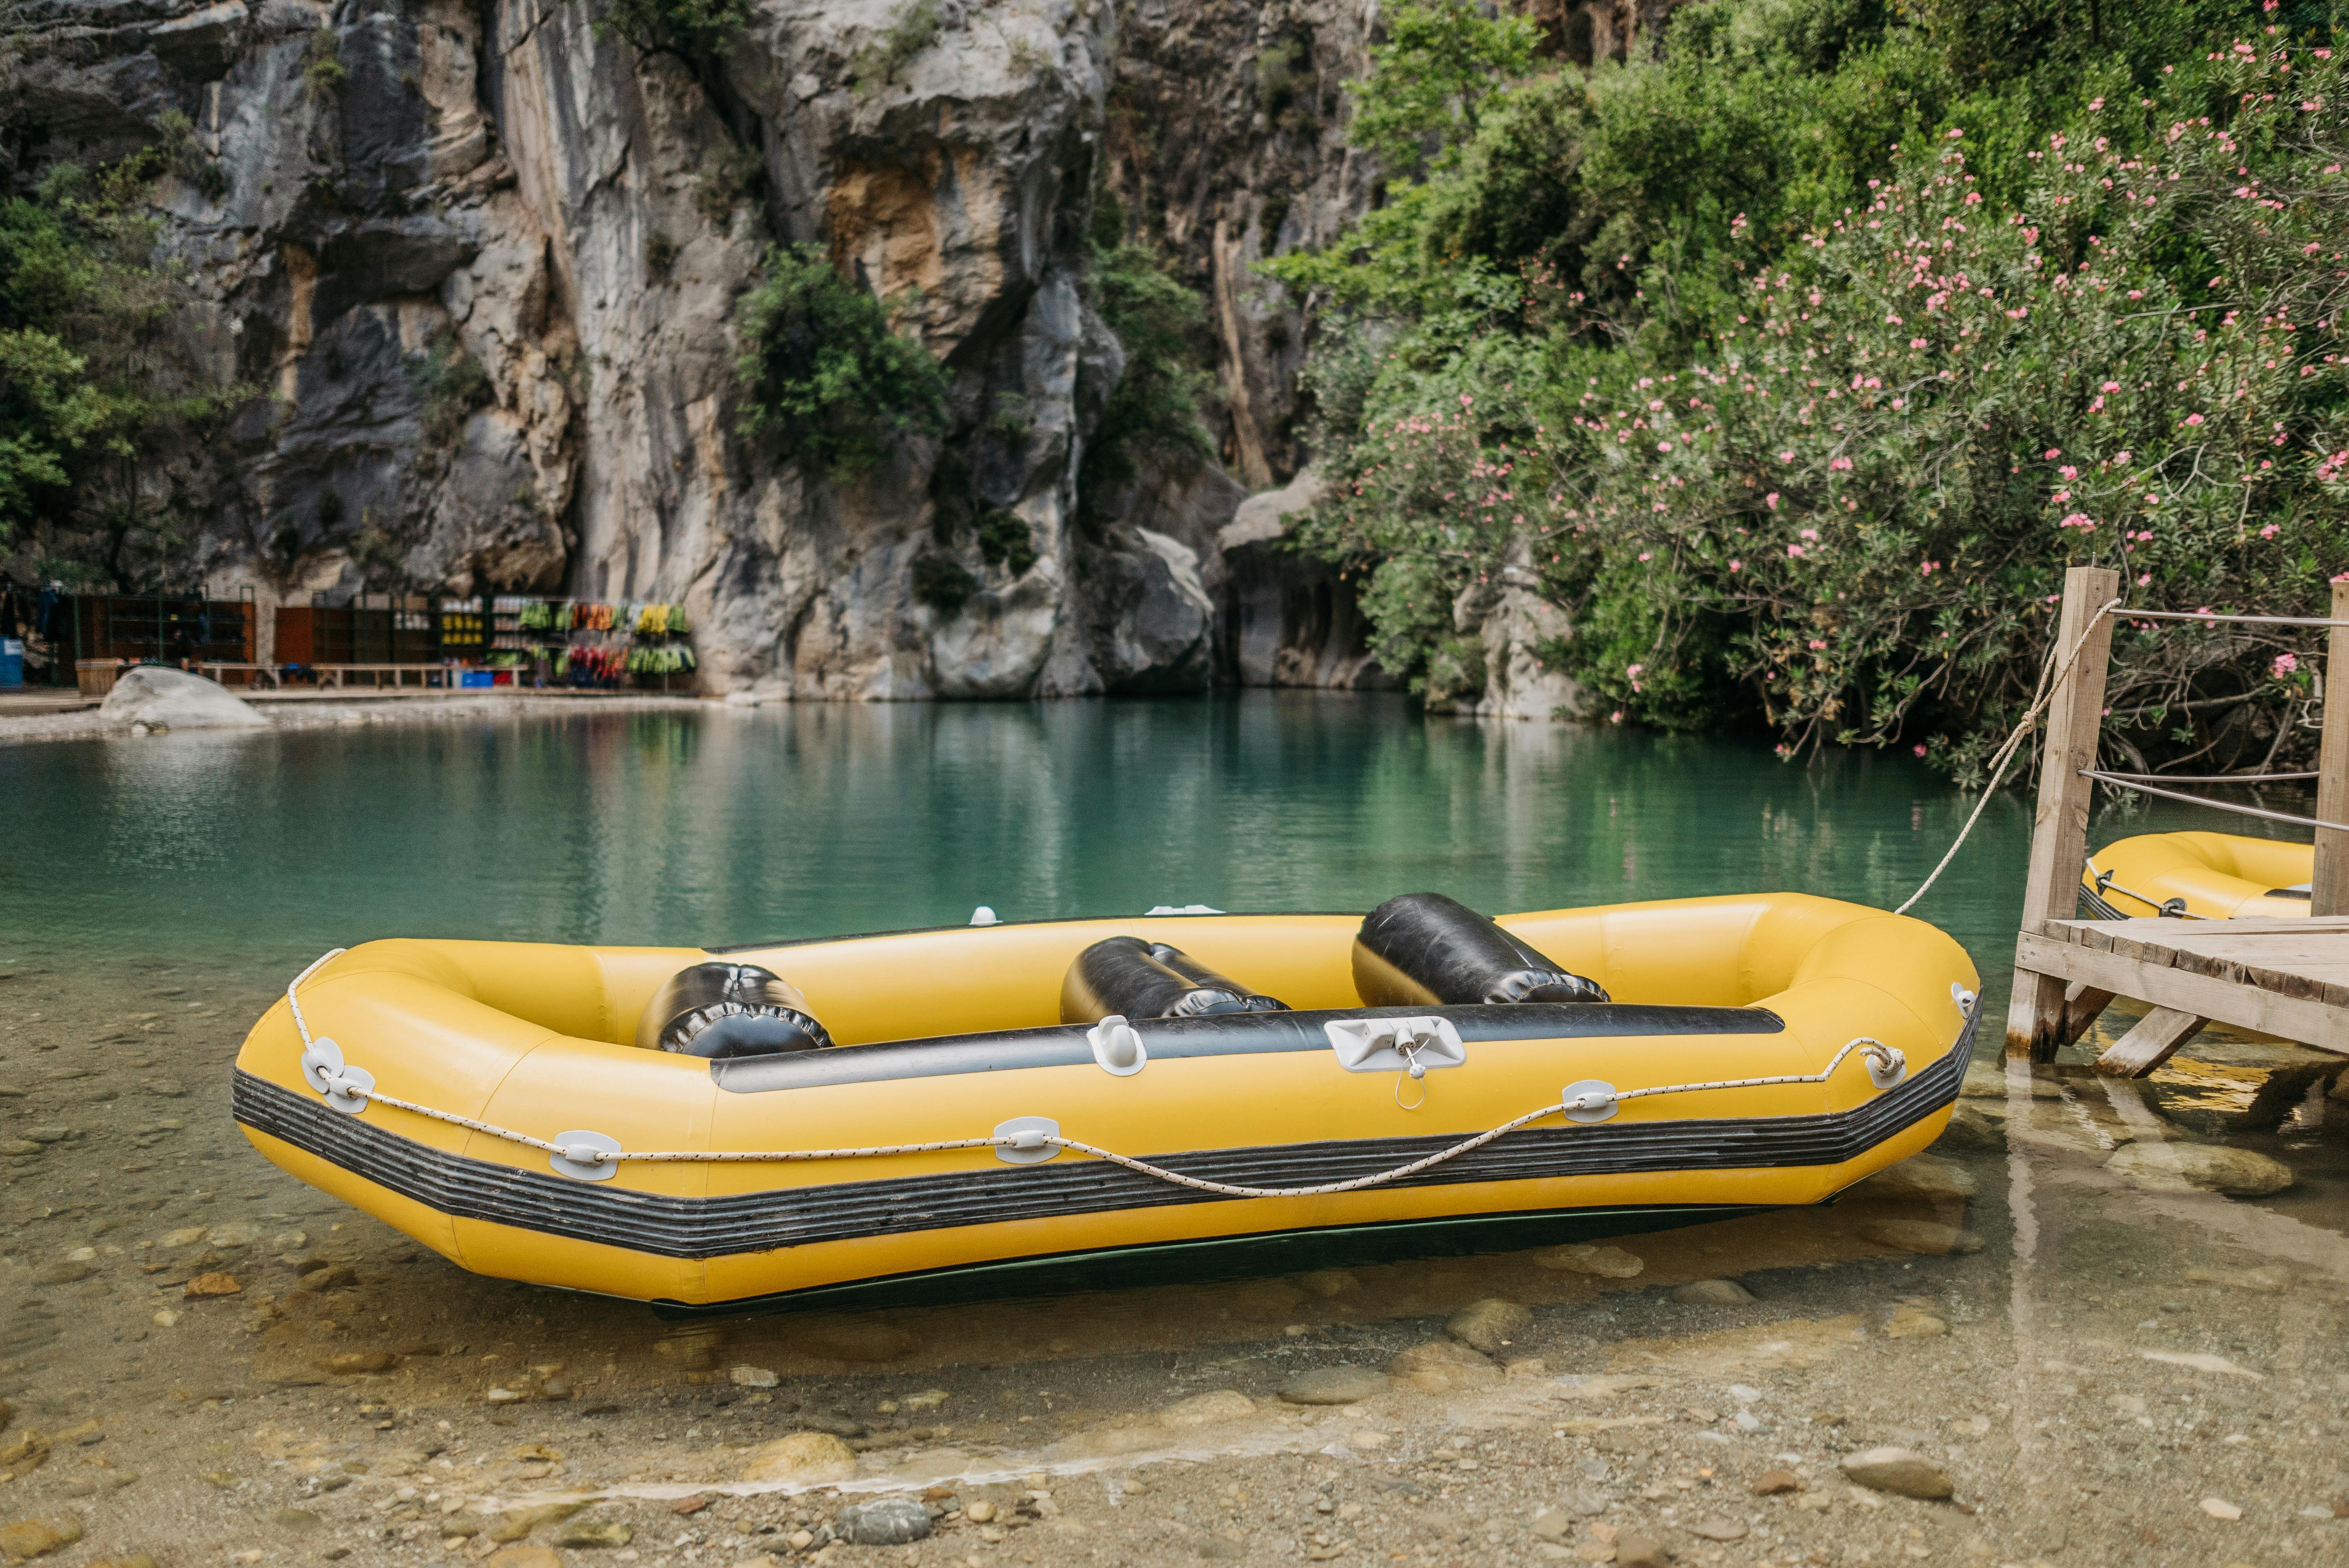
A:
(1818, 464)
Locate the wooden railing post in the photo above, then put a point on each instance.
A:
(2329, 891)
(2059, 829)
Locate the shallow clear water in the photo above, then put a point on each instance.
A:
(155, 894)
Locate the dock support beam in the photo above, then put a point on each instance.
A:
(2059, 829)
(2329, 891)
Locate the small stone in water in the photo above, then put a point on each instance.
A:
(1909, 1323)
(38, 1537)
(1771, 1483)
(1901, 1472)
(807, 1457)
(1719, 1528)
(884, 1522)
(978, 1512)
(1441, 1365)
(2186, 1167)
(1609, 1263)
(2220, 1508)
(1713, 1293)
(1641, 1552)
(593, 1532)
(205, 1284)
(753, 1378)
(1925, 1237)
(1489, 1325)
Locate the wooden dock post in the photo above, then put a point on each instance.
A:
(2059, 829)
(2329, 890)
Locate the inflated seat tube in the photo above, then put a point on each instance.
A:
(722, 1010)
(1131, 978)
(1423, 949)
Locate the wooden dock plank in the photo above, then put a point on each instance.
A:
(2322, 1023)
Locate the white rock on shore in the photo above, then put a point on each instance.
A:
(165, 698)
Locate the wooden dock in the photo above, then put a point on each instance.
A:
(2289, 978)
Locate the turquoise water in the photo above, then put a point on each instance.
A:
(703, 827)
(195, 873)
(253, 853)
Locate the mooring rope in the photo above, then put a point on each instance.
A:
(2051, 675)
(1889, 1063)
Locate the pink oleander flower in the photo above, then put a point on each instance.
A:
(2285, 665)
(1919, 748)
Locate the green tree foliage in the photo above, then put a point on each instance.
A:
(698, 32)
(1155, 406)
(1798, 363)
(821, 369)
(90, 375)
(1442, 59)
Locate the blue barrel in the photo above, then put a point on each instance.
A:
(12, 662)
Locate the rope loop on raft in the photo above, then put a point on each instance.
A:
(352, 1088)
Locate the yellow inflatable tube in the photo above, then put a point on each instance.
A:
(1803, 1044)
(2219, 876)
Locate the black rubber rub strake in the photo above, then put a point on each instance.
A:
(1423, 949)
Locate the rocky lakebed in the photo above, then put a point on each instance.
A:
(2100, 1323)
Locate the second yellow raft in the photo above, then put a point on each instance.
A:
(2217, 876)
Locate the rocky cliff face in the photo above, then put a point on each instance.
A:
(485, 257)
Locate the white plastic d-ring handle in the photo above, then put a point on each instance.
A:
(1117, 1046)
(1963, 997)
(1592, 1100)
(1033, 1140)
(320, 1059)
(1887, 1065)
(586, 1155)
(345, 1087)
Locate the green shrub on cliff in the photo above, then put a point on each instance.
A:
(822, 371)
(91, 376)
(1156, 403)
(698, 32)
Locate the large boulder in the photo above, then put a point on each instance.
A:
(165, 698)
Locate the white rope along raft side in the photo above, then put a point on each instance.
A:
(1887, 1061)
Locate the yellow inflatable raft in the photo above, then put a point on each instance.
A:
(919, 1109)
(2218, 876)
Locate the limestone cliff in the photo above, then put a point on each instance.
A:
(485, 258)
